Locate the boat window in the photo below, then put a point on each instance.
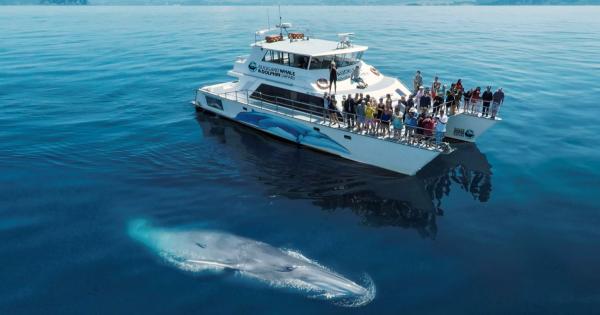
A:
(292, 99)
(286, 59)
(341, 60)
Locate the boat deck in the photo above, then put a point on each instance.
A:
(318, 116)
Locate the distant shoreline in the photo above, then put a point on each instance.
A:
(297, 5)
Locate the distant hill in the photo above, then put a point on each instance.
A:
(78, 2)
(305, 2)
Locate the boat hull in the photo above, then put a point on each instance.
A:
(396, 157)
(467, 127)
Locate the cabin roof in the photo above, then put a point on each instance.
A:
(311, 47)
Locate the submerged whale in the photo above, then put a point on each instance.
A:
(206, 250)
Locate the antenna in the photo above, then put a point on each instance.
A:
(280, 26)
(268, 19)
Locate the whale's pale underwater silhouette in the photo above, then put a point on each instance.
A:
(209, 250)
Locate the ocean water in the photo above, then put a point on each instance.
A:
(96, 130)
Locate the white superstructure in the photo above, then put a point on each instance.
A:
(280, 88)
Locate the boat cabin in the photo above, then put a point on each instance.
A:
(297, 68)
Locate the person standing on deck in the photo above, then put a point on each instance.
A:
(458, 85)
(410, 121)
(487, 98)
(467, 99)
(410, 103)
(435, 87)
(332, 77)
(420, 94)
(348, 109)
(450, 101)
(438, 100)
(475, 100)
(425, 101)
(345, 109)
(379, 113)
(333, 111)
(388, 102)
(497, 100)
(417, 81)
(440, 127)
(360, 114)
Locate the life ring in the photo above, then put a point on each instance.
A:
(323, 84)
(273, 38)
(295, 35)
(375, 71)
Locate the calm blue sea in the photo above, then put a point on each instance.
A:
(96, 130)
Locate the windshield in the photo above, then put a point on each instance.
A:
(341, 60)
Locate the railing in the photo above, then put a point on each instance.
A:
(373, 128)
(470, 106)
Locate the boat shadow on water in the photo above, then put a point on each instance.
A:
(379, 197)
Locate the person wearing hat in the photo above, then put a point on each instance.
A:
(487, 98)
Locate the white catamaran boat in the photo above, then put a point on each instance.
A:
(280, 90)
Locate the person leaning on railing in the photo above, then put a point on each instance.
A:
(397, 124)
(369, 116)
(410, 121)
(326, 101)
(333, 111)
(360, 114)
(440, 127)
(486, 98)
(497, 99)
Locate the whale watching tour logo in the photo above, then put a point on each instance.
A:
(252, 66)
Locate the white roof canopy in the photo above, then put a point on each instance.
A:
(311, 47)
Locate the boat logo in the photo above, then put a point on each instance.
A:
(469, 133)
(252, 66)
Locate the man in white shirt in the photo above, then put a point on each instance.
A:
(440, 127)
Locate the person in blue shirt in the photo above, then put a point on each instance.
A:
(397, 124)
(411, 124)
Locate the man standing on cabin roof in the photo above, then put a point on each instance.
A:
(497, 99)
(332, 77)
(417, 81)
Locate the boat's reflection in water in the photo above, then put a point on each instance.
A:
(379, 197)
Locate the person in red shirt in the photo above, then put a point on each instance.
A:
(458, 86)
(428, 126)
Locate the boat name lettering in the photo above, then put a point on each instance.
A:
(277, 72)
(344, 74)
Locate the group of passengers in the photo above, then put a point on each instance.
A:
(366, 114)
(418, 118)
(439, 96)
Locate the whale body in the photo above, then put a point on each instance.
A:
(210, 250)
